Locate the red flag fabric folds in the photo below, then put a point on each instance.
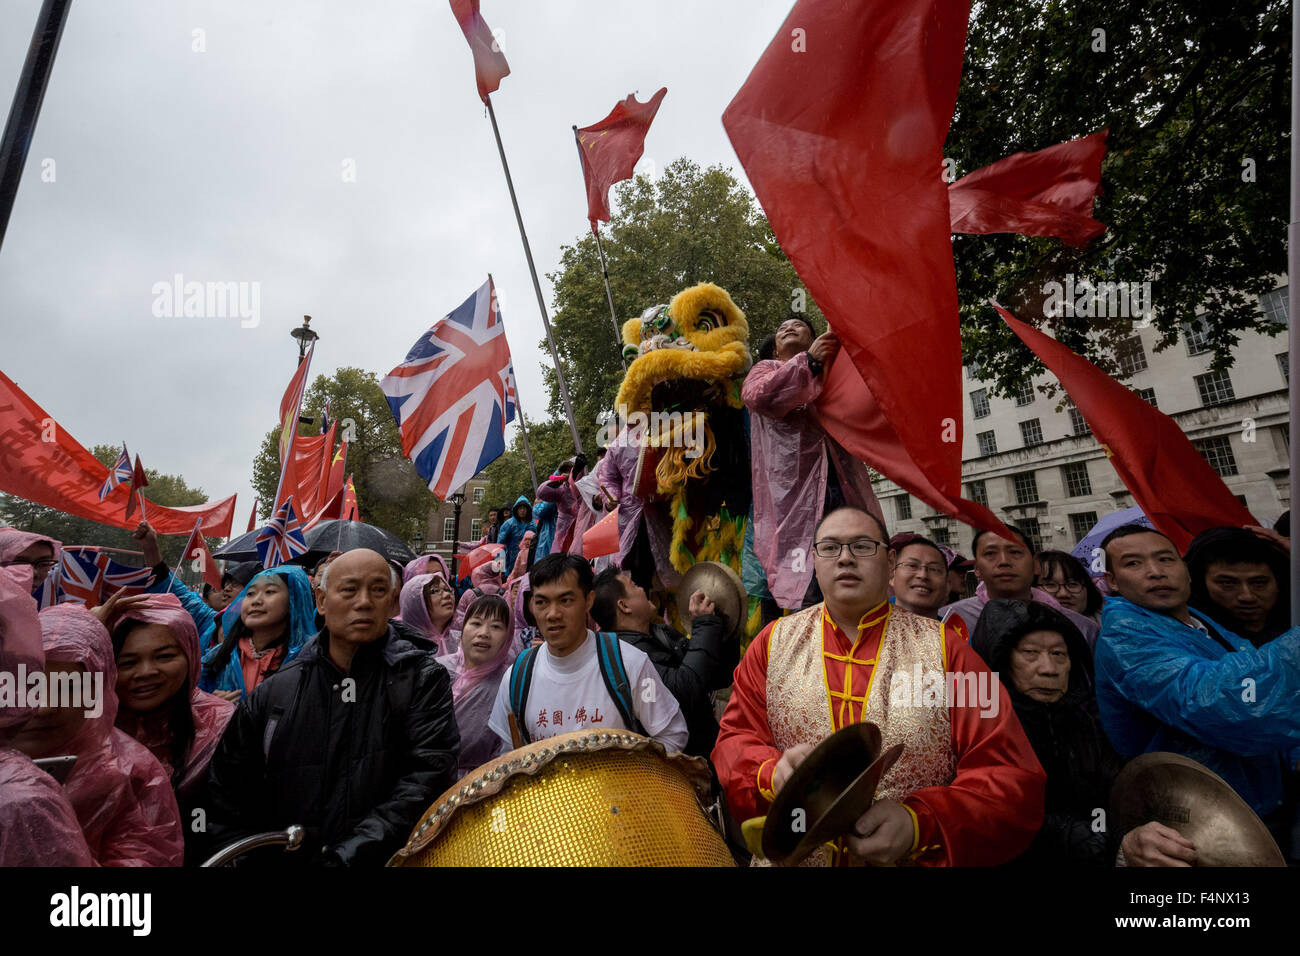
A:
(490, 66)
(351, 510)
(41, 462)
(196, 549)
(1170, 481)
(843, 144)
(290, 404)
(252, 518)
(610, 150)
(1046, 193)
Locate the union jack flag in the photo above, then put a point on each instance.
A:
(454, 394)
(119, 473)
(90, 577)
(281, 540)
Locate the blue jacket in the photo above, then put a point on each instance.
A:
(513, 530)
(1162, 685)
(302, 626)
(546, 514)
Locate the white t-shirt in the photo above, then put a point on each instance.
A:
(568, 693)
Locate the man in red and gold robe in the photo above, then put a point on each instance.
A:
(967, 789)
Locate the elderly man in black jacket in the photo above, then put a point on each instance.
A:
(690, 669)
(352, 740)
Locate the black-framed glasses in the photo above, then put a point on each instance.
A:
(859, 547)
(1051, 587)
(911, 567)
(43, 565)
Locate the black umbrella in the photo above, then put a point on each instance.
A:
(337, 535)
(243, 548)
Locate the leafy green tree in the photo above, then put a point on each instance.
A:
(508, 476)
(690, 225)
(390, 494)
(1196, 98)
(168, 490)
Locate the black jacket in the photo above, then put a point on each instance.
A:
(691, 670)
(1067, 738)
(354, 764)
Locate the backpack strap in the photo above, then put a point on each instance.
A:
(521, 679)
(612, 669)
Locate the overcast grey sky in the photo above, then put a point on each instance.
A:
(227, 165)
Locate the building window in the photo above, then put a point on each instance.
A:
(1284, 366)
(1030, 527)
(1031, 432)
(977, 493)
(1025, 394)
(1215, 388)
(1026, 488)
(476, 529)
(1218, 452)
(1082, 523)
(478, 494)
(979, 403)
(1148, 395)
(1274, 306)
(1131, 356)
(1077, 483)
(1196, 334)
(1077, 423)
(903, 505)
(448, 529)
(941, 536)
(988, 444)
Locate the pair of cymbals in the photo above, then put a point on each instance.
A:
(827, 793)
(722, 586)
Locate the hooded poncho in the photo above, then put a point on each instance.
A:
(302, 626)
(415, 612)
(474, 690)
(121, 794)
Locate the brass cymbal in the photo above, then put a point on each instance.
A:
(722, 586)
(827, 793)
(1189, 797)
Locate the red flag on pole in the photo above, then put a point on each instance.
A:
(610, 149)
(252, 518)
(290, 404)
(1046, 193)
(196, 549)
(844, 149)
(138, 481)
(351, 510)
(490, 66)
(1169, 479)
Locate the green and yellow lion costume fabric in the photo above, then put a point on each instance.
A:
(686, 362)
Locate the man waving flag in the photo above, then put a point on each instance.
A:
(450, 395)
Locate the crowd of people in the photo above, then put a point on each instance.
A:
(345, 696)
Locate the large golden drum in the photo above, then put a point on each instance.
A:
(579, 799)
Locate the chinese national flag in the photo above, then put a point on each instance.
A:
(252, 518)
(290, 404)
(197, 549)
(611, 148)
(351, 510)
(843, 144)
(138, 481)
(1046, 193)
(490, 65)
(1170, 481)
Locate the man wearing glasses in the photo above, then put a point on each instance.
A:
(34, 550)
(967, 789)
(920, 579)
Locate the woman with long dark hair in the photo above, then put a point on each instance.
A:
(486, 650)
(1065, 578)
(265, 628)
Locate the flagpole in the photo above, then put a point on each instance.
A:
(1293, 300)
(527, 448)
(537, 287)
(604, 268)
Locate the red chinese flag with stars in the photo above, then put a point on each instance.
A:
(610, 150)
(1168, 477)
(840, 128)
(490, 65)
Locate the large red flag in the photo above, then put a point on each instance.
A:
(41, 462)
(138, 481)
(610, 149)
(290, 405)
(1046, 193)
(196, 549)
(252, 518)
(351, 509)
(841, 133)
(490, 65)
(313, 457)
(1168, 477)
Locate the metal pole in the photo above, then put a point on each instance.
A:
(604, 268)
(1293, 267)
(528, 450)
(26, 107)
(456, 500)
(537, 287)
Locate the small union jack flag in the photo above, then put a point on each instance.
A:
(119, 473)
(90, 578)
(281, 540)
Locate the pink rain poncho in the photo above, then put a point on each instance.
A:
(14, 542)
(121, 793)
(567, 501)
(210, 713)
(789, 461)
(617, 474)
(426, 564)
(473, 691)
(37, 824)
(485, 579)
(415, 613)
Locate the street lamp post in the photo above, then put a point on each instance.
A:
(305, 337)
(457, 499)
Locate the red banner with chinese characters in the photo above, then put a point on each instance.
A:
(41, 462)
